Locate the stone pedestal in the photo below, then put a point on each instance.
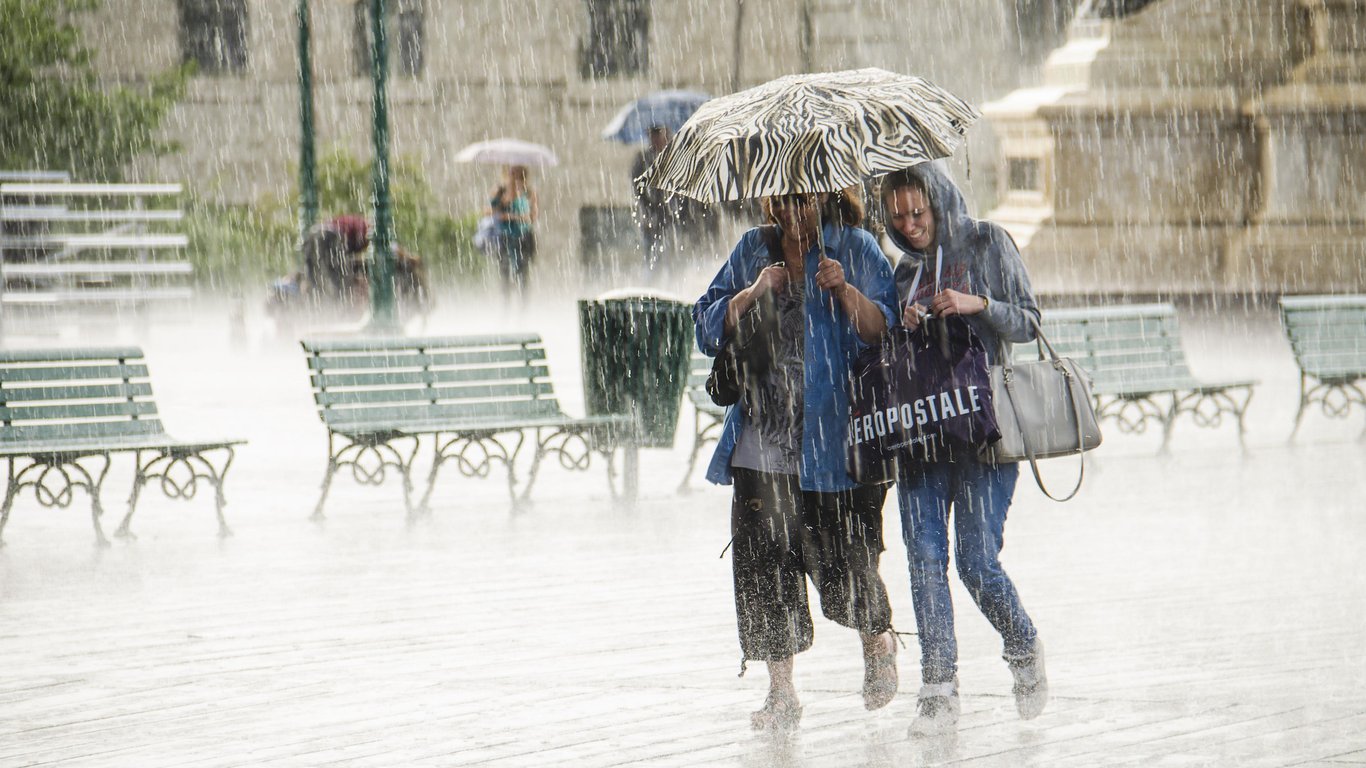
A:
(1166, 152)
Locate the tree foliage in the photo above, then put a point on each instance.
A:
(54, 112)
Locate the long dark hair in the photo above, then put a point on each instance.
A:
(844, 207)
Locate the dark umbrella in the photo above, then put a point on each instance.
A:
(670, 109)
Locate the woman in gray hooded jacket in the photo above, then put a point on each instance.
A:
(953, 264)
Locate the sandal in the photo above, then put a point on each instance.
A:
(880, 678)
(780, 714)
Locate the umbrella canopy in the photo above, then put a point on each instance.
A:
(810, 133)
(667, 108)
(508, 152)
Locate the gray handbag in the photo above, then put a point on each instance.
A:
(1043, 409)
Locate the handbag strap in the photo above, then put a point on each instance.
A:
(1008, 374)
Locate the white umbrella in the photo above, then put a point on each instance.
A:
(508, 152)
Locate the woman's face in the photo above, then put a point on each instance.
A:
(797, 214)
(908, 211)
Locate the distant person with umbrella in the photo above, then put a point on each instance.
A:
(515, 207)
(656, 210)
(512, 204)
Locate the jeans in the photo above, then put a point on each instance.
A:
(980, 494)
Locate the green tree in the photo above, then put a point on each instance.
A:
(56, 114)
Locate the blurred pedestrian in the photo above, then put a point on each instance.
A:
(795, 512)
(953, 264)
(330, 251)
(657, 211)
(515, 207)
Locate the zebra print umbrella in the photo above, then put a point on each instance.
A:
(809, 133)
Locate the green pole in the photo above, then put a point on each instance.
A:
(382, 315)
(308, 174)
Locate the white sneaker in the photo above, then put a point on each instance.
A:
(938, 709)
(1031, 682)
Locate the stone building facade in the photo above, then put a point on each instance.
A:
(550, 71)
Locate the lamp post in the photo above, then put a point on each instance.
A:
(308, 175)
(382, 316)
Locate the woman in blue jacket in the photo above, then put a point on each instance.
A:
(795, 511)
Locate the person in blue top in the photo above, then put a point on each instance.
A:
(795, 512)
(515, 207)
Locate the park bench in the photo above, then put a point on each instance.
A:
(1140, 373)
(479, 397)
(79, 246)
(707, 416)
(1328, 336)
(65, 408)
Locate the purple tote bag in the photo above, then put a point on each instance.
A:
(922, 395)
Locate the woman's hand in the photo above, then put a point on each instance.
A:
(949, 302)
(773, 279)
(830, 276)
(912, 315)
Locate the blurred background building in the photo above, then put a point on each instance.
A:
(1165, 145)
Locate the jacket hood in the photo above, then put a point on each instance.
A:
(951, 220)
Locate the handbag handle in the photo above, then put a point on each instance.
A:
(1008, 374)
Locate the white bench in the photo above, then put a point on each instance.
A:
(65, 245)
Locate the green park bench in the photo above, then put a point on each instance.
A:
(66, 408)
(1140, 373)
(479, 397)
(707, 416)
(1328, 336)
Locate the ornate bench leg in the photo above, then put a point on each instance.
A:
(1304, 403)
(331, 472)
(54, 485)
(1168, 422)
(11, 490)
(179, 473)
(369, 457)
(574, 448)
(474, 456)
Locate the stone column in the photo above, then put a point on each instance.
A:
(1307, 232)
(1135, 166)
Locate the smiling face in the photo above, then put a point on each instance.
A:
(908, 212)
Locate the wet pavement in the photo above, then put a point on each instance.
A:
(1202, 607)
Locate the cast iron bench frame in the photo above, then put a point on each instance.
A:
(1134, 354)
(1328, 336)
(62, 407)
(479, 397)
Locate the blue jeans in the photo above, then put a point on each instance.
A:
(980, 495)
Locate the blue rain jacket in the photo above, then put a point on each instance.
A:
(831, 346)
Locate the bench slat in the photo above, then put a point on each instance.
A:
(325, 381)
(69, 354)
(516, 391)
(90, 429)
(71, 411)
(429, 343)
(61, 214)
(72, 372)
(97, 296)
(110, 268)
(10, 395)
(59, 190)
(438, 413)
(96, 241)
(417, 360)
